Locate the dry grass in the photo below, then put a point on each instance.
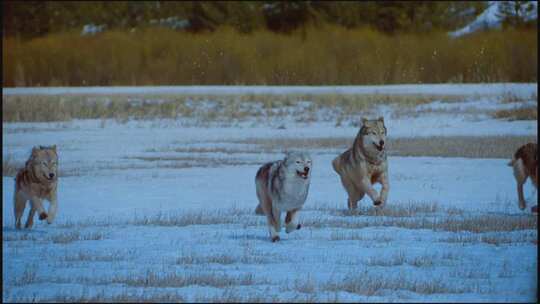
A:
(158, 56)
(509, 97)
(73, 236)
(205, 108)
(370, 284)
(399, 211)
(439, 222)
(396, 259)
(522, 113)
(86, 256)
(181, 162)
(177, 280)
(124, 297)
(339, 235)
(29, 276)
(448, 146)
(182, 219)
(248, 257)
(10, 167)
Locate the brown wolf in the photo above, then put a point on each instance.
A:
(37, 181)
(283, 185)
(365, 164)
(525, 164)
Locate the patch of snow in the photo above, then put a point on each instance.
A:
(491, 18)
(92, 29)
(518, 89)
(174, 23)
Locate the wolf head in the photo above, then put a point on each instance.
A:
(298, 164)
(373, 135)
(44, 163)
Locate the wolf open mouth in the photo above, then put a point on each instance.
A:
(380, 148)
(303, 175)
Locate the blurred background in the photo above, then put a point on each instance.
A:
(72, 43)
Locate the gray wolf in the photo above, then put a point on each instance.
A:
(35, 182)
(282, 186)
(525, 164)
(364, 164)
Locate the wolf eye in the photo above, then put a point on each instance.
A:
(43, 163)
(297, 161)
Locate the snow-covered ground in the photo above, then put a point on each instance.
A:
(519, 89)
(158, 211)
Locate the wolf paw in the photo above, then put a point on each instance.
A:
(377, 203)
(275, 239)
(299, 226)
(42, 216)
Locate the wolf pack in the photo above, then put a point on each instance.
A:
(282, 186)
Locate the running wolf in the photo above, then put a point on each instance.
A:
(37, 181)
(283, 185)
(365, 164)
(525, 164)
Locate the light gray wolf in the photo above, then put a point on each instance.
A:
(35, 182)
(525, 164)
(282, 186)
(364, 164)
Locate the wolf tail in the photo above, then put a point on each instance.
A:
(512, 162)
(259, 210)
(335, 164)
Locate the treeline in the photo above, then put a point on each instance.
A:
(324, 55)
(29, 19)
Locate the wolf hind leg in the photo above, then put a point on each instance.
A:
(354, 194)
(19, 204)
(521, 177)
(273, 226)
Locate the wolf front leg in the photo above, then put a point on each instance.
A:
(371, 192)
(291, 221)
(385, 188)
(53, 208)
(37, 204)
(521, 177)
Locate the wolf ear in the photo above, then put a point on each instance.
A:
(53, 147)
(380, 119)
(35, 150)
(287, 154)
(364, 120)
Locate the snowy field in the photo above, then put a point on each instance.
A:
(163, 210)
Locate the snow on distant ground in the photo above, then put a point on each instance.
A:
(491, 18)
(519, 89)
(133, 224)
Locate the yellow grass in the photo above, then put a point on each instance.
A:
(326, 55)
